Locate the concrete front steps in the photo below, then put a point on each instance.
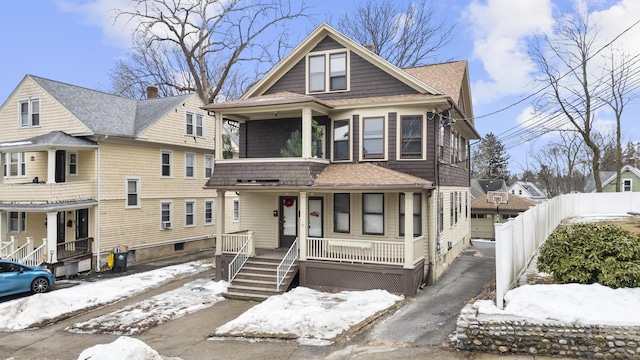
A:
(257, 280)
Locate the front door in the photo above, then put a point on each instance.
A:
(82, 224)
(315, 218)
(61, 227)
(61, 156)
(288, 221)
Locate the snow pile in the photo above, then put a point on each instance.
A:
(595, 219)
(314, 317)
(141, 316)
(124, 348)
(33, 310)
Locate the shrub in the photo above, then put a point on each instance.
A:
(590, 253)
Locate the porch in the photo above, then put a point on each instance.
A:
(34, 253)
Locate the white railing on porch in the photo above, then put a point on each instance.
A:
(233, 242)
(22, 251)
(240, 259)
(7, 247)
(363, 251)
(36, 257)
(48, 193)
(287, 262)
(518, 240)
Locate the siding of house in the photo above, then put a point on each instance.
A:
(366, 79)
(635, 183)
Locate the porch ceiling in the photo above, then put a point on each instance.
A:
(48, 207)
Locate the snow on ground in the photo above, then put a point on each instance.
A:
(38, 308)
(593, 304)
(313, 317)
(123, 348)
(143, 315)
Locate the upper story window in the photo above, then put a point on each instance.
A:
(373, 138)
(189, 161)
(73, 163)
(327, 72)
(208, 166)
(194, 124)
(29, 113)
(165, 163)
(341, 140)
(411, 137)
(15, 165)
(626, 185)
(133, 193)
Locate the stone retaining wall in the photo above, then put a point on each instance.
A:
(518, 336)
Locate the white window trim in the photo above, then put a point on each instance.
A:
(204, 165)
(193, 207)
(69, 153)
(22, 160)
(327, 75)
(194, 124)
(170, 203)
(29, 102)
(399, 138)
(170, 153)
(385, 137)
(349, 140)
(213, 212)
(21, 223)
(186, 155)
(630, 185)
(126, 192)
(236, 204)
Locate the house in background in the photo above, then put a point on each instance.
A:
(351, 170)
(90, 171)
(527, 190)
(480, 187)
(495, 207)
(629, 175)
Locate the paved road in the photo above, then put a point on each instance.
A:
(414, 332)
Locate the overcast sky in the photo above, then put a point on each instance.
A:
(77, 42)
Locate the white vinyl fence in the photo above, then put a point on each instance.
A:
(518, 240)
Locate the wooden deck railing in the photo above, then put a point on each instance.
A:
(74, 248)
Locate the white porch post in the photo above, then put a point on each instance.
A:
(52, 236)
(218, 121)
(220, 217)
(2, 155)
(51, 166)
(3, 224)
(306, 133)
(408, 230)
(304, 225)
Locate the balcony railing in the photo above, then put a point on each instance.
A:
(47, 193)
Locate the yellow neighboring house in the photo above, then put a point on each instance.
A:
(86, 172)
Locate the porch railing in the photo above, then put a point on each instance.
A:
(240, 259)
(7, 247)
(418, 249)
(358, 251)
(36, 257)
(47, 193)
(21, 252)
(74, 248)
(233, 242)
(287, 262)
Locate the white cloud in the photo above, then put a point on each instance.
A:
(500, 29)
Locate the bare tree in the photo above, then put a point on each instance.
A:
(199, 46)
(564, 64)
(559, 163)
(405, 35)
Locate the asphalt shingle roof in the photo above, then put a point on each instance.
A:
(366, 175)
(514, 203)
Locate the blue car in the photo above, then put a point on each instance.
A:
(17, 278)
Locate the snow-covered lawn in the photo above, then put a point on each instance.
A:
(593, 304)
(313, 317)
(141, 316)
(38, 309)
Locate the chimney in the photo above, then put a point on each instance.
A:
(369, 47)
(152, 92)
(632, 162)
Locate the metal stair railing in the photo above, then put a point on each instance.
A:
(239, 260)
(287, 262)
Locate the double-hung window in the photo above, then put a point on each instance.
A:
(133, 192)
(165, 163)
(373, 138)
(417, 214)
(341, 211)
(341, 140)
(18, 222)
(208, 166)
(327, 72)
(411, 146)
(236, 210)
(189, 215)
(208, 212)
(73, 163)
(373, 214)
(166, 208)
(29, 113)
(626, 185)
(189, 164)
(15, 165)
(194, 124)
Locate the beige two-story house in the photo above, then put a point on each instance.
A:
(351, 171)
(86, 172)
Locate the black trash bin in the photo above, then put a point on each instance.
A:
(120, 261)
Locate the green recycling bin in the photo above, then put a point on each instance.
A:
(120, 261)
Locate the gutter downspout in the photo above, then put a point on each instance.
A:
(98, 175)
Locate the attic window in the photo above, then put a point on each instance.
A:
(327, 70)
(29, 113)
